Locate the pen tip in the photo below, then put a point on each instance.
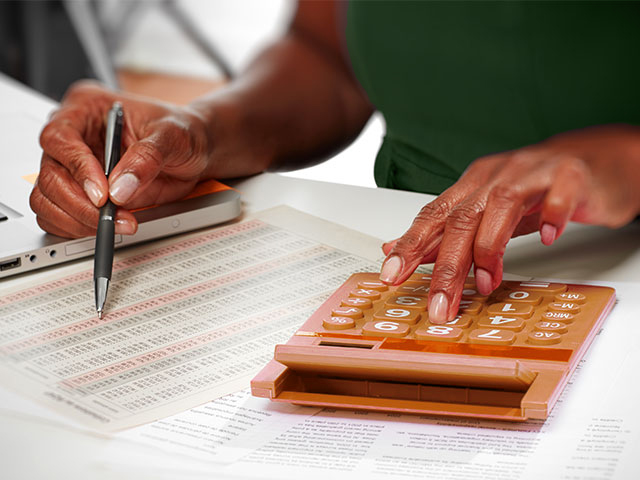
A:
(100, 315)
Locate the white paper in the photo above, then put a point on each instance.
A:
(188, 320)
(592, 433)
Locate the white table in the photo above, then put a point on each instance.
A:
(31, 448)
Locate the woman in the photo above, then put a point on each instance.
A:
(522, 116)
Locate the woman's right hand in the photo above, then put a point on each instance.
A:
(166, 150)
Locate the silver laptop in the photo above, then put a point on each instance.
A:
(24, 246)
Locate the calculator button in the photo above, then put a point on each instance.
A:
(535, 286)
(338, 323)
(544, 338)
(521, 296)
(361, 303)
(470, 307)
(472, 294)
(500, 321)
(373, 285)
(511, 309)
(369, 293)
(461, 321)
(546, 326)
(351, 312)
(564, 307)
(420, 277)
(414, 288)
(408, 301)
(385, 329)
(492, 336)
(439, 333)
(404, 315)
(564, 317)
(573, 297)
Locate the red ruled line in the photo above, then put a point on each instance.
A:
(165, 352)
(131, 262)
(145, 305)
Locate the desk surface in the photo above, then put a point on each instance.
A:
(32, 448)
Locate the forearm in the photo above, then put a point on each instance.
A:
(293, 106)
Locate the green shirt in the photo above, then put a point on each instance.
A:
(459, 80)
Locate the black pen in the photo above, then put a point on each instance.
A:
(103, 255)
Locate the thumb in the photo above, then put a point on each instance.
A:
(138, 167)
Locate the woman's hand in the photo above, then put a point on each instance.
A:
(165, 147)
(590, 176)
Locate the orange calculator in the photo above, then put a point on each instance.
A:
(371, 346)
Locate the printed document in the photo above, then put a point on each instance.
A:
(592, 433)
(187, 320)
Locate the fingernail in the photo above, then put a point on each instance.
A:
(548, 233)
(93, 192)
(391, 269)
(484, 281)
(125, 227)
(438, 308)
(123, 187)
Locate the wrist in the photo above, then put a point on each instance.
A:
(234, 146)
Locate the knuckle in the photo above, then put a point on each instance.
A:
(487, 250)
(574, 167)
(50, 133)
(177, 136)
(554, 204)
(411, 242)
(446, 271)
(464, 216)
(436, 211)
(506, 193)
(149, 156)
(35, 200)
(524, 157)
(46, 183)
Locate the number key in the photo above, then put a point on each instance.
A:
(385, 329)
(404, 315)
(512, 309)
(408, 301)
(439, 332)
(492, 336)
(498, 321)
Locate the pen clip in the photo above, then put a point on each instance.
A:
(112, 135)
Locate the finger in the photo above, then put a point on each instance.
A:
(508, 202)
(56, 184)
(62, 140)
(454, 259)
(168, 147)
(570, 182)
(420, 241)
(162, 190)
(53, 219)
(125, 222)
(388, 246)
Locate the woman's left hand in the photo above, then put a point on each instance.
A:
(589, 176)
